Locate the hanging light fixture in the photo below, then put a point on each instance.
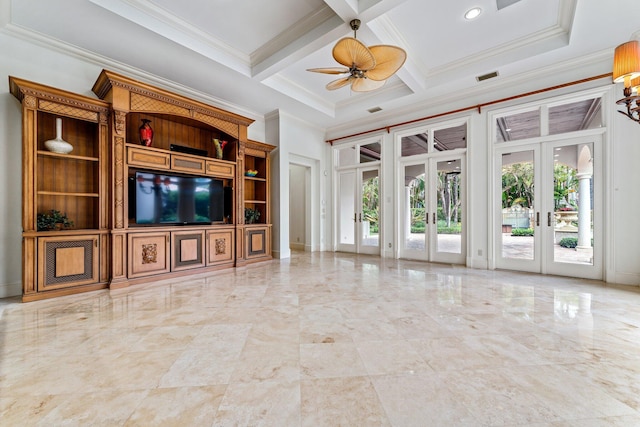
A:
(626, 68)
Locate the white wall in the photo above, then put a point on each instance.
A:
(303, 144)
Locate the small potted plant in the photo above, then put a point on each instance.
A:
(251, 216)
(53, 220)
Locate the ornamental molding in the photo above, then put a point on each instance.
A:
(64, 100)
(120, 121)
(173, 101)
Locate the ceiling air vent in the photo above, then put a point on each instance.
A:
(504, 3)
(487, 76)
(374, 109)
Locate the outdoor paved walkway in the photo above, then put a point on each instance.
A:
(516, 247)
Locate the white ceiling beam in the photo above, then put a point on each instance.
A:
(148, 15)
(345, 9)
(304, 38)
(301, 94)
(412, 73)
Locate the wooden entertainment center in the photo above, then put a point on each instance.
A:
(96, 185)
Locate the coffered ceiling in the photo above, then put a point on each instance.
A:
(253, 54)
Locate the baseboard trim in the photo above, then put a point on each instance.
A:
(632, 279)
(10, 290)
(297, 246)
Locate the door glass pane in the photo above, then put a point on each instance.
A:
(449, 205)
(415, 194)
(575, 116)
(346, 225)
(370, 152)
(414, 144)
(450, 138)
(518, 126)
(370, 208)
(573, 204)
(517, 205)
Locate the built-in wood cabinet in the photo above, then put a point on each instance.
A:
(256, 235)
(99, 187)
(75, 184)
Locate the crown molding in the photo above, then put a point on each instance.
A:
(101, 61)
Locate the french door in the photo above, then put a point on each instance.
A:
(549, 207)
(359, 210)
(432, 210)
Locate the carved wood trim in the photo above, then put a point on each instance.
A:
(147, 102)
(224, 125)
(120, 122)
(66, 110)
(108, 80)
(118, 190)
(57, 101)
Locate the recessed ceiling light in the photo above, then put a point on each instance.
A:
(472, 13)
(508, 130)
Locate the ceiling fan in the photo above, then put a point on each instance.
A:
(368, 67)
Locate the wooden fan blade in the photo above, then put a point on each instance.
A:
(329, 70)
(351, 53)
(389, 59)
(365, 85)
(337, 84)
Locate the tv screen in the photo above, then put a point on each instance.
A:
(175, 199)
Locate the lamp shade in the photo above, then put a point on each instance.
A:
(626, 61)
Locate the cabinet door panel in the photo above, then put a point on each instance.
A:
(148, 254)
(222, 170)
(148, 158)
(67, 261)
(220, 246)
(187, 250)
(187, 164)
(257, 242)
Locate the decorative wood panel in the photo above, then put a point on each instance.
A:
(145, 103)
(225, 126)
(148, 158)
(148, 253)
(187, 164)
(67, 261)
(223, 170)
(220, 246)
(187, 250)
(256, 242)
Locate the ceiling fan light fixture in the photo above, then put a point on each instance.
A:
(368, 67)
(472, 13)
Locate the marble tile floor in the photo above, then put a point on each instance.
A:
(326, 339)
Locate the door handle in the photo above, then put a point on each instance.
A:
(549, 219)
(538, 219)
(360, 215)
(434, 217)
(427, 221)
(355, 217)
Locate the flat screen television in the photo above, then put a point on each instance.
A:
(171, 199)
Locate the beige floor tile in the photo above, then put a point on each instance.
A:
(333, 402)
(198, 407)
(327, 339)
